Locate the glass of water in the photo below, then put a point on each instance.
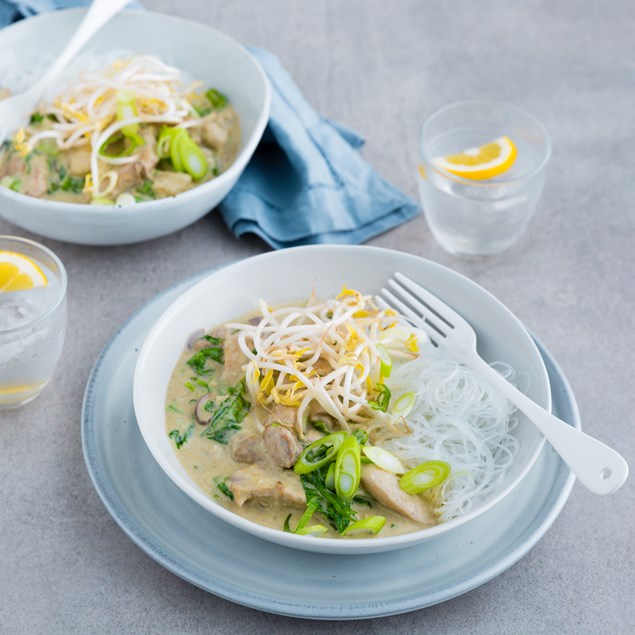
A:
(481, 216)
(32, 320)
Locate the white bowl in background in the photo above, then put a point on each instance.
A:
(201, 51)
(293, 273)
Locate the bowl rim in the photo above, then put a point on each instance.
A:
(232, 173)
(311, 543)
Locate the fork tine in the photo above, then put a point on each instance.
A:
(440, 308)
(418, 320)
(440, 325)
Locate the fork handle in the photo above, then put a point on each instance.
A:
(99, 12)
(599, 468)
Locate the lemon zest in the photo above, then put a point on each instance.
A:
(266, 385)
(88, 183)
(412, 343)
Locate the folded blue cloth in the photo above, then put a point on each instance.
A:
(306, 182)
(12, 10)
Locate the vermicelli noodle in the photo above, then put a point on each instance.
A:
(460, 419)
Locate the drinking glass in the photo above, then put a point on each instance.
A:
(480, 217)
(32, 326)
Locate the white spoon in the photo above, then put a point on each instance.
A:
(16, 110)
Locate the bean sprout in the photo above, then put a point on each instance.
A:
(325, 352)
(86, 113)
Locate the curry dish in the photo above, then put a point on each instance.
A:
(280, 416)
(133, 132)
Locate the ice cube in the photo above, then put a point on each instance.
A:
(17, 310)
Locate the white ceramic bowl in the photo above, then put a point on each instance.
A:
(204, 53)
(293, 273)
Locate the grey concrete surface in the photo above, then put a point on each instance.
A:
(65, 566)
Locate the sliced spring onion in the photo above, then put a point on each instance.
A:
(306, 517)
(184, 152)
(313, 530)
(319, 452)
(100, 200)
(384, 459)
(125, 198)
(403, 405)
(386, 363)
(164, 140)
(302, 529)
(347, 468)
(133, 143)
(11, 183)
(175, 145)
(383, 398)
(329, 479)
(361, 436)
(373, 524)
(216, 98)
(127, 109)
(194, 161)
(425, 476)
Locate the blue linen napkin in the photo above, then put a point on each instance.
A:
(306, 183)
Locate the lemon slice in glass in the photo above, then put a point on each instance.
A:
(19, 272)
(484, 162)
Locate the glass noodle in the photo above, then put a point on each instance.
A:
(458, 418)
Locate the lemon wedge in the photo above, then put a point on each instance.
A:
(19, 272)
(484, 162)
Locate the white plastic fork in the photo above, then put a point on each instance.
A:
(599, 468)
(17, 109)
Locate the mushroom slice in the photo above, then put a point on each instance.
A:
(203, 415)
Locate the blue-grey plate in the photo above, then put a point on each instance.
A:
(202, 549)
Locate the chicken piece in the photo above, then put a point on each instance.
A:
(148, 157)
(282, 446)
(384, 487)
(234, 357)
(196, 135)
(78, 161)
(248, 448)
(210, 157)
(317, 414)
(312, 435)
(170, 183)
(34, 175)
(255, 482)
(214, 135)
(285, 415)
(129, 177)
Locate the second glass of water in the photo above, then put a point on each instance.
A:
(481, 214)
(32, 318)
